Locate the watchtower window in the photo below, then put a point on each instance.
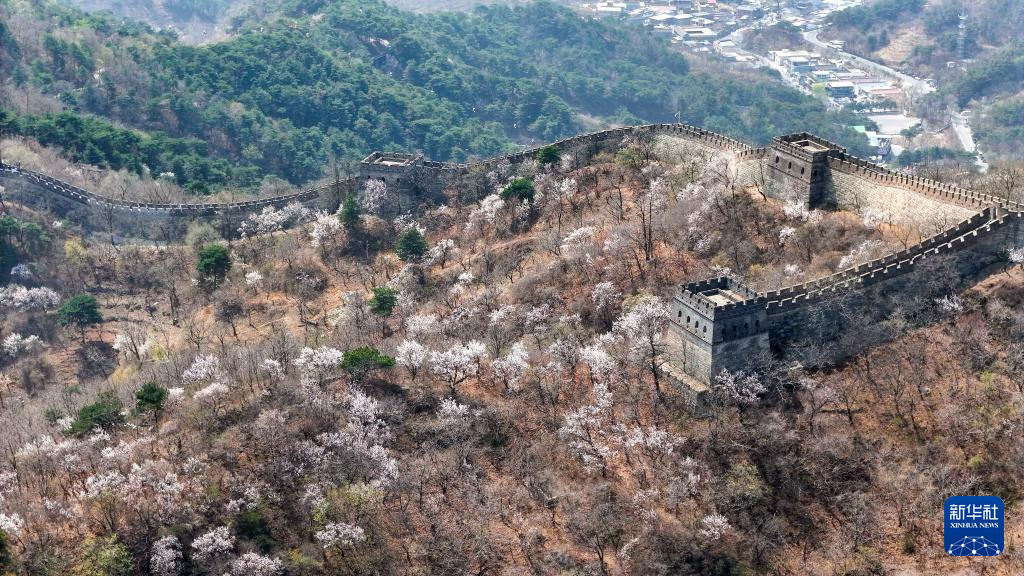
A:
(687, 319)
(790, 166)
(802, 170)
(777, 159)
(680, 315)
(704, 329)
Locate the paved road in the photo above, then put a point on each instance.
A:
(961, 125)
(912, 86)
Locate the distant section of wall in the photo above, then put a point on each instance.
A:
(144, 219)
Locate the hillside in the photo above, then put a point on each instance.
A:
(307, 84)
(922, 38)
(192, 21)
(485, 395)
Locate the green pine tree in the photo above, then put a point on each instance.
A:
(351, 213)
(411, 245)
(214, 264)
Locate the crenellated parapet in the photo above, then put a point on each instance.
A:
(720, 323)
(76, 194)
(952, 193)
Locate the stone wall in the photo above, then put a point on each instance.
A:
(899, 205)
(845, 311)
(145, 220)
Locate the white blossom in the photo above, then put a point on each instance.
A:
(513, 366)
(458, 362)
(486, 213)
(14, 344)
(252, 564)
(11, 524)
(452, 414)
(951, 304)
(21, 272)
(8, 480)
(203, 369)
(213, 544)
(165, 558)
(104, 483)
(21, 298)
(325, 230)
(442, 251)
(585, 430)
(418, 326)
(739, 387)
(714, 525)
(578, 241)
(253, 279)
(643, 324)
(859, 254)
(604, 295)
(536, 319)
(273, 368)
(796, 209)
(411, 354)
(212, 392)
(272, 220)
(375, 192)
(785, 234)
(340, 534)
(503, 315)
(1016, 255)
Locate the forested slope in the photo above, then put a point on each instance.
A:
(923, 39)
(310, 82)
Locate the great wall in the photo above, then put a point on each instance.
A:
(718, 324)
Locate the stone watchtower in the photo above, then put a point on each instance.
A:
(720, 324)
(393, 169)
(798, 166)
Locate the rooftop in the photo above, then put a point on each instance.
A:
(723, 296)
(392, 159)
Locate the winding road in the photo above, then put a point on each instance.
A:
(913, 87)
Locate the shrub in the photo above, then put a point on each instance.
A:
(214, 264)
(520, 189)
(104, 413)
(351, 213)
(549, 154)
(150, 398)
(251, 525)
(104, 557)
(6, 560)
(384, 301)
(411, 245)
(361, 361)
(81, 310)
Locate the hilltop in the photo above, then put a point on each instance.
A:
(307, 85)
